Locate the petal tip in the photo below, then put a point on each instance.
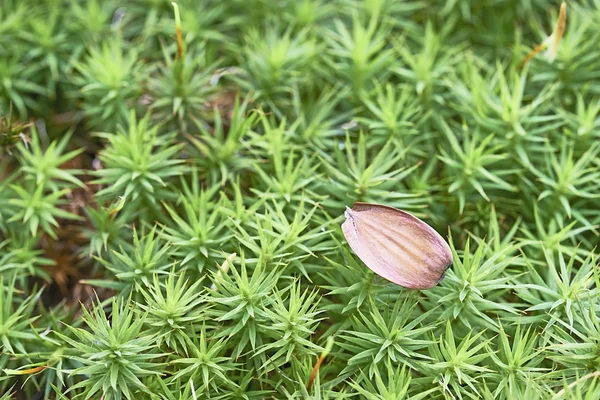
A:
(348, 212)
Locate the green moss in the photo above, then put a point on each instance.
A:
(183, 211)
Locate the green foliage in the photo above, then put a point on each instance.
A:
(457, 365)
(205, 365)
(393, 386)
(468, 164)
(19, 254)
(200, 233)
(559, 288)
(176, 181)
(43, 166)
(36, 209)
(15, 320)
(180, 88)
(108, 81)
(48, 47)
(17, 86)
(570, 181)
(293, 319)
(239, 302)
(171, 311)
(275, 61)
(358, 53)
(519, 359)
(397, 335)
(222, 148)
(136, 265)
(107, 228)
(477, 286)
(358, 175)
(138, 164)
(114, 356)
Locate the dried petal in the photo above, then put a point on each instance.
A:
(397, 245)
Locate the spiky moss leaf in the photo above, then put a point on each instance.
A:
(138, 164)
(114, 355)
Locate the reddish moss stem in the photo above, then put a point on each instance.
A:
(178, 31)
